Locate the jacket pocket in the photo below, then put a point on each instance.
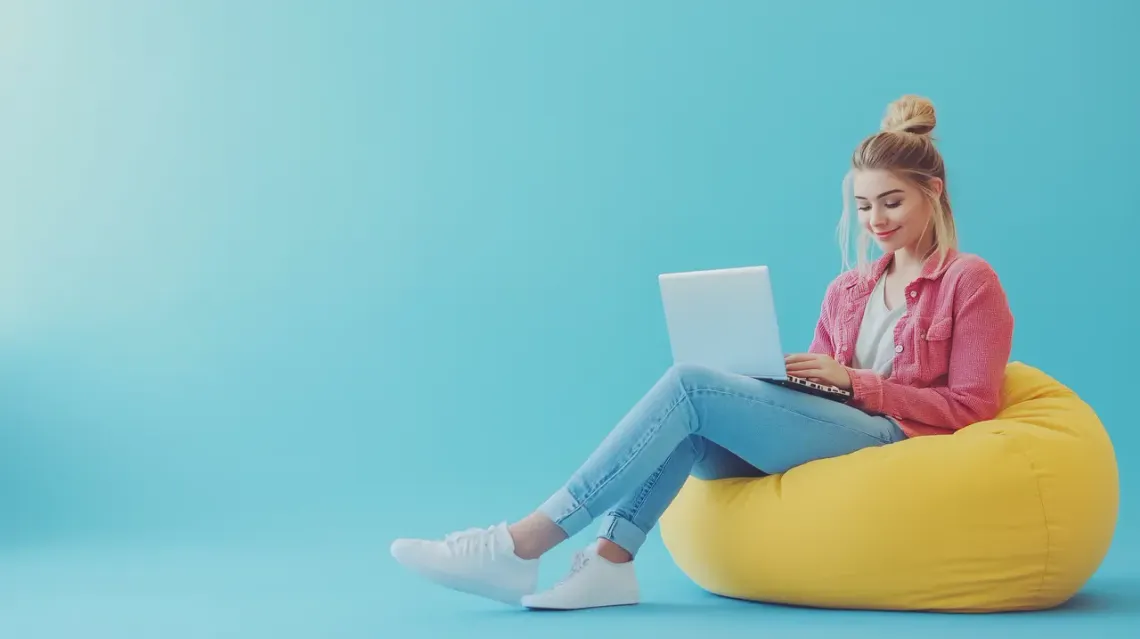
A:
(934, 346)
(939, 330)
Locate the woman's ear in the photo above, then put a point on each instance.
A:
(937, 186)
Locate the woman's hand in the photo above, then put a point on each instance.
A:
(818, 368)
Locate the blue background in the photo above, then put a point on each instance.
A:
(280, 281)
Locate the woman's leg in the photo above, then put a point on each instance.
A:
(640, 467)
(713, 461)
(695, 421)
(642, 464)
(537, 533)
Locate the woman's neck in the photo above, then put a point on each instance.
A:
(907, 260)
(910, 260)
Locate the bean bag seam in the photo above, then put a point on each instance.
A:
(1044, 518)
(758, 400)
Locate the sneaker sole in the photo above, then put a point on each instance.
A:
(468, 586)
(616, 604)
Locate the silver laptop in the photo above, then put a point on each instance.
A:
(725, 319)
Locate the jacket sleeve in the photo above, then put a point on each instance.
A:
(822, 343)
(981, 341)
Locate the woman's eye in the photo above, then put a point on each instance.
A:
(864, 208)
(894, 205)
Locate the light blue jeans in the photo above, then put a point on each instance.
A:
(712, 425)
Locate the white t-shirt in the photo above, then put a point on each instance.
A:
(875, 346)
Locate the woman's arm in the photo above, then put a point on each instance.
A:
(821, 343)
(980, 347)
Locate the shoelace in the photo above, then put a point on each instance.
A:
(580, 561)
(471, 541)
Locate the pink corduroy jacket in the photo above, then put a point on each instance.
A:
(951, 346)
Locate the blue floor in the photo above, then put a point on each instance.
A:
(350, 588)
(374, 265)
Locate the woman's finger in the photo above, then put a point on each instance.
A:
(800, 357)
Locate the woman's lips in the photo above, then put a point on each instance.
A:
(885, 234)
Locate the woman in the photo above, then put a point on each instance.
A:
(921, 338)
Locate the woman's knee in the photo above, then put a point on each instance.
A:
(691, 376)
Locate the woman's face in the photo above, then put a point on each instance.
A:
(893, 210)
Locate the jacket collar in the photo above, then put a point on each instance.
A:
(931, 269)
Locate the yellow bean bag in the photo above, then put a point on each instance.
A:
(1015, 513)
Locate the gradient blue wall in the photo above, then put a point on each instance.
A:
(289, 268)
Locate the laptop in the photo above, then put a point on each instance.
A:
(725, 319)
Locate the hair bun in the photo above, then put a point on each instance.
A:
(910, 114)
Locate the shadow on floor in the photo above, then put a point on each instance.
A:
(1104, 596)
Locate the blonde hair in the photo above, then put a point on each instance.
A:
(905, 147)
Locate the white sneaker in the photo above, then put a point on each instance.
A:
(593, 582)
(478, 561)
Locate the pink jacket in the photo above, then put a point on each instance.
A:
(951, 346)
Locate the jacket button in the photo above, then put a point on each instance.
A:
(898, 348)
(914, 293)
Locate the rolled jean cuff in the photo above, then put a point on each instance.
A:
(622, 532)
(565, 511)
